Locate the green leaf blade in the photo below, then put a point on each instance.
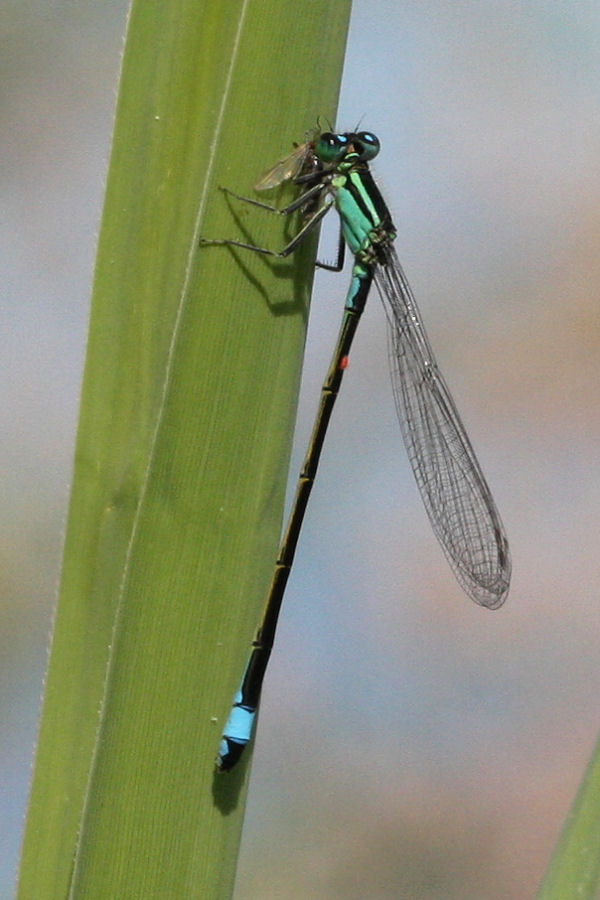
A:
(185, 432)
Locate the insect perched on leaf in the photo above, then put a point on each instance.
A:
(333, 169)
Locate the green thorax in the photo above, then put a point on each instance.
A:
(366, 220)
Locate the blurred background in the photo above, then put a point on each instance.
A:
(411, 745)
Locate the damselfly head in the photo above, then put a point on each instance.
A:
(361, 146)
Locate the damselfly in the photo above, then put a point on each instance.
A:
(334, 171)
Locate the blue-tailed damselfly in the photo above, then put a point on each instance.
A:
(334, 171)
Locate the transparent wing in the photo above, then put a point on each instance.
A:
(454, 490)
(286, 169)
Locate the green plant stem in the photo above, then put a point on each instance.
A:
(574, 871)
(185, 431)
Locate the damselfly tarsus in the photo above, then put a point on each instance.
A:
(334, 171)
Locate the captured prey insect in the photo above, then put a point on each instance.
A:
(334, 171)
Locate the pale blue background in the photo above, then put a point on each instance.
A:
(411, 744)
